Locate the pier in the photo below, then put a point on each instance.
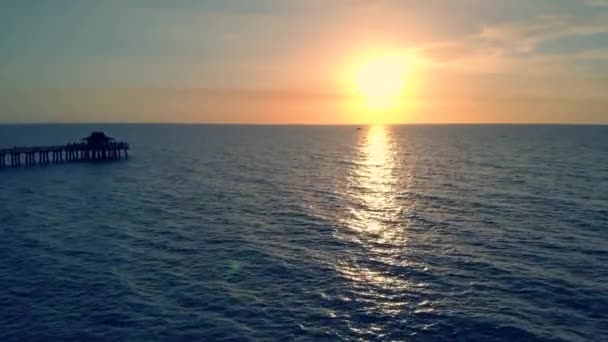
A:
(96, 147)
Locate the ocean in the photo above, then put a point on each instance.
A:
(391, 233)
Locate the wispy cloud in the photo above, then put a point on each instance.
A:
(524, 37)
(513, 46)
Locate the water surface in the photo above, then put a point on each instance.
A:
(415, 233)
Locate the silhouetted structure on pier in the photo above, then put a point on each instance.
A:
(96, 147)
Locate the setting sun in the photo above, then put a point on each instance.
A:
(381, 78)
(379, 83)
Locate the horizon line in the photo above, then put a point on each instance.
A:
(315, 124)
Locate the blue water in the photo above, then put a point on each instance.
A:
(414, 233)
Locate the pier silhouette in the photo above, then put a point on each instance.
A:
(96, 147)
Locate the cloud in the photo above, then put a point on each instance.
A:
(524, 37)
(513, 47)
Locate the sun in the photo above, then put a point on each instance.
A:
(380, 81)
(382, 85)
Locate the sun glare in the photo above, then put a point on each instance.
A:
(381, 78)
(379, 84)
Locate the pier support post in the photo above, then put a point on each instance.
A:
(15, 159)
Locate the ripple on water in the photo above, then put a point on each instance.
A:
(260, 233)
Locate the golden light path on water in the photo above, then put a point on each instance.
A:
(373, 184)
(373, 221)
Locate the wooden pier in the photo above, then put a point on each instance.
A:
(96, 147)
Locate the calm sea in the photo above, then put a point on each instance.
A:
(414, 233)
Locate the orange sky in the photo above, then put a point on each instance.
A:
(270, 61)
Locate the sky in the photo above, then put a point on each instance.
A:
(292, 61)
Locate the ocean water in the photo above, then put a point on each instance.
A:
(400, 233)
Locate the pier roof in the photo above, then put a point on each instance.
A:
(97, 138)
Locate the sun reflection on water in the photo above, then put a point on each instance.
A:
(373, 185)
(373, 222)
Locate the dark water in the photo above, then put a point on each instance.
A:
(415, 233)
